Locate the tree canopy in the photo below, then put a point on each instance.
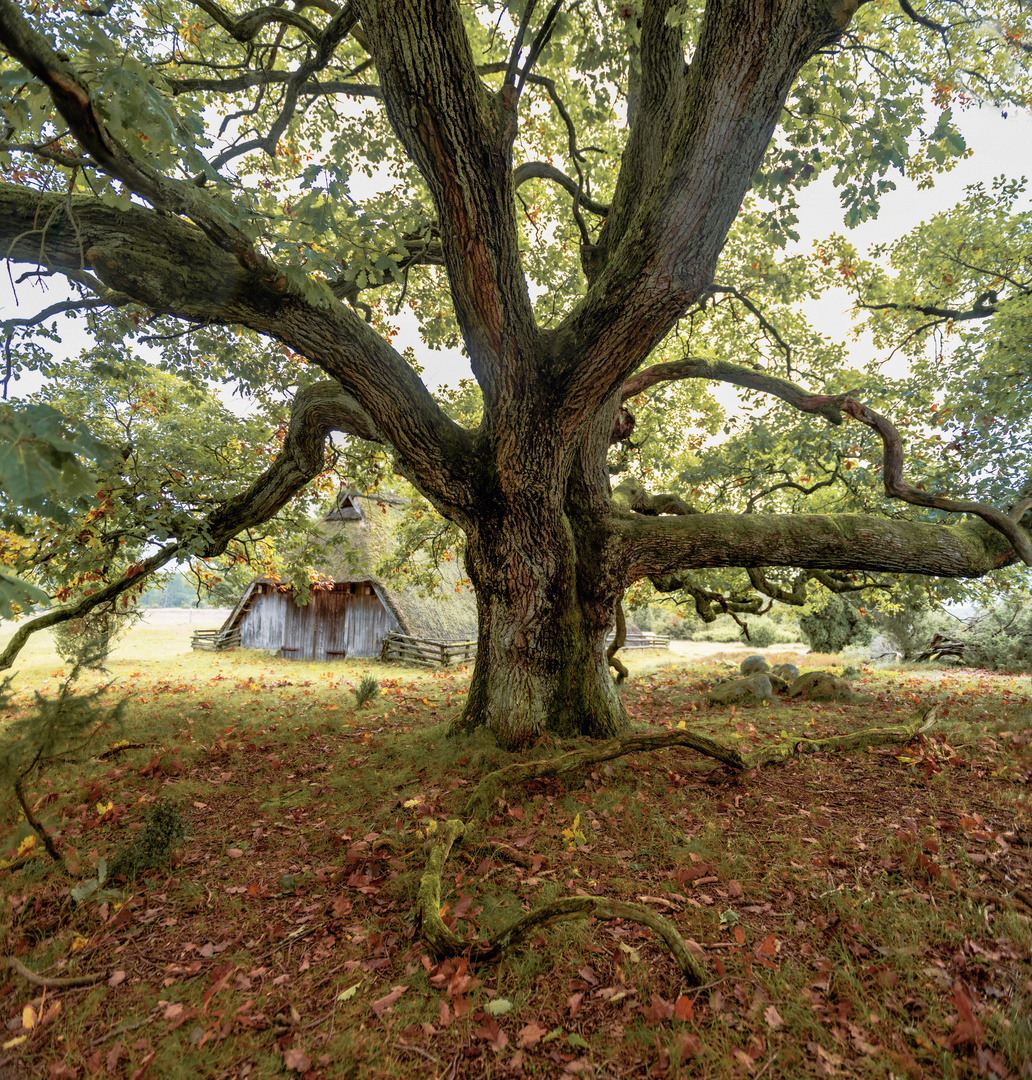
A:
(596, 201)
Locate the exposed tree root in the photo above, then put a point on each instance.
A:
(50, 983)
(442, 942)
(490, 788)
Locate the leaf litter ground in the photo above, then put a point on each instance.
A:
(858, 914)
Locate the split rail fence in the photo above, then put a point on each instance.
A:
(216, 640)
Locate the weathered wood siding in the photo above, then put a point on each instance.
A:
(349, 619)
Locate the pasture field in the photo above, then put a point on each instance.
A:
(860, 913)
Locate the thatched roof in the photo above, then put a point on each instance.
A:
(358, 534)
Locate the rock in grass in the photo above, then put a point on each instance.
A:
(820, 686)
(788, 672)
(754, 690)
(755, 665)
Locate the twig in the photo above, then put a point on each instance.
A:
(417, 1050)
(47, 981)
(122, 1029)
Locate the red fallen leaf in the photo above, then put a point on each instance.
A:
(384, 1004)
(767, 947)
(296, 1060)
(658, 1010)
(683, 1009)
(740, 935)
(968, 1030)
(531, 1034)
(492, 1034)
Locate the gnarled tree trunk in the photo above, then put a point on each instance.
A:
(545, 600)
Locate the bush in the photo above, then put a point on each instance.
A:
(835, 626)
(163, 828)
(764, 632)
(1002, 638)
(911, 630)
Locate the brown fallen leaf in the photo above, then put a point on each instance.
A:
(384, 1004)
(296, 1060)
(773, 1018)
(531, 1034)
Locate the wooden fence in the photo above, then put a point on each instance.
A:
(413, 650)
(215, 640)
(644, 640)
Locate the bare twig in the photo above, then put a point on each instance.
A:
(51, 983)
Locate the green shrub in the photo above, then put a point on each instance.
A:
(1002, 638)
(151, 849)
(367, 690)
(764, 632)
(834, 626)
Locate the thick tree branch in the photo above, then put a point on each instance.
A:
(697, 367)
(173, 268)
(656, 546)
(664, 234)
(73, 100)
(460, 137)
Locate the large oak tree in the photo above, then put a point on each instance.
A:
(585, 195)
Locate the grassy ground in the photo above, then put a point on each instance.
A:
(861, 914)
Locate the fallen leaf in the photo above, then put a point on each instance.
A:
(384, 1004)
(683, 1009)
(296, 1060)
(773, 1018)
(531, 1034)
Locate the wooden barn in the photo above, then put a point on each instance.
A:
(354, 611)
